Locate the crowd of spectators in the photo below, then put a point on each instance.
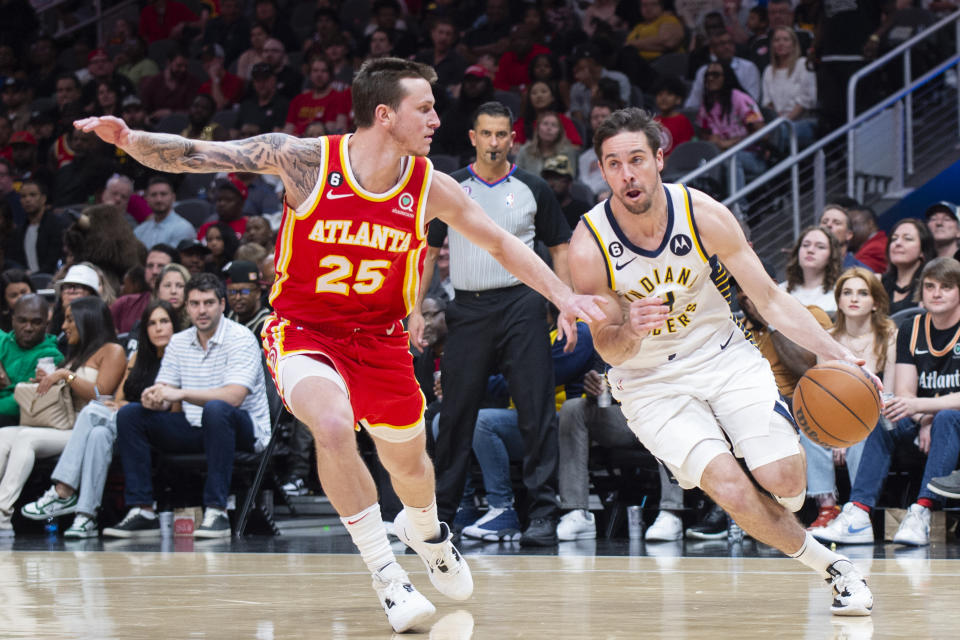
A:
(82, 220)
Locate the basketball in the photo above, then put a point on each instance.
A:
(836, 404)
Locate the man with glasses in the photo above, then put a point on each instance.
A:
(244, 295)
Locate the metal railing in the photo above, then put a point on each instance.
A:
(779, 203)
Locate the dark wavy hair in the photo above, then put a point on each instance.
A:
(94, 328)
(529, 114)
(834, 263)
(724, 96)
(928, 252)
(147, 365)
(8, 277)
(230, 242)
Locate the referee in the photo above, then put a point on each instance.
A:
(496, 323)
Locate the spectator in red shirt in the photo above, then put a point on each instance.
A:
(321, 103)
(163, 19)
(870, 241)
(677, 128)
(513, 68)
(172, 90)
(225, 88)
(542, 97)
(231, 193)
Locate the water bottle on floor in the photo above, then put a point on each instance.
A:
(734, 532)
(51, 527)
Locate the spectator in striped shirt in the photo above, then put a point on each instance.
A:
(215, 370)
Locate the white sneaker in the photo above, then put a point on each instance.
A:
(915, 528)
(448, 570)
(851, 595)
(83, 527)
(852, 526)
(666, 528)
(404, 605)
(578, 524)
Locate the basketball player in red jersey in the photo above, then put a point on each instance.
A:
(349, 254)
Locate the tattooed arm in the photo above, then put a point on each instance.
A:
(295, 160)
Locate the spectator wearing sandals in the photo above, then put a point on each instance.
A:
(215, 370)
(94, 366)
(21, 348)
(164, 226)
(81, 472)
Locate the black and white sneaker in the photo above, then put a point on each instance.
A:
(138, 523)
(447, 569)
(215, 524)
(404, 605)
(851, 595)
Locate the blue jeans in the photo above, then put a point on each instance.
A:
(224, 428)
(879, 447)
(496, 442)
(821, 477)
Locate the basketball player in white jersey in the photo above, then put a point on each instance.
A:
(689, 381)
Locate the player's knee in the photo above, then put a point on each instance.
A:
(410, 467)
(332, 431)
(782, 479)
(732, 496)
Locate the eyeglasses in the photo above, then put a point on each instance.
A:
(239, 292)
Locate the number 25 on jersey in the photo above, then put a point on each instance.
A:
(369, 275)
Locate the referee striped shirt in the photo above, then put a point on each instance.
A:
(232, 356)
(522, 204)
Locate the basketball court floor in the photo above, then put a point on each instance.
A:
(316, 587)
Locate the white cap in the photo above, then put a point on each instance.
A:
(82, 274)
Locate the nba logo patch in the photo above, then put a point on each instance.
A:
(509, 199)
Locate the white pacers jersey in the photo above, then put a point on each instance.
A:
(694, 286)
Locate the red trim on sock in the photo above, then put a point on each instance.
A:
(862, 506)
(925, 502)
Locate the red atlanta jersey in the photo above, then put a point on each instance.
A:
(347, 257)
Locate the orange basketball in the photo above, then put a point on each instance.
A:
(836, 404)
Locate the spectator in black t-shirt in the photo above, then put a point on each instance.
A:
(230, 30)
(266, 108)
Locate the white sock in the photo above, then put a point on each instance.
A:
(424, 520)
(815, 555)
(368, 534)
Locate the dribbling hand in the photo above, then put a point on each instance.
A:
(110, 129)
(647, 314)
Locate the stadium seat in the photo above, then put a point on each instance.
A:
(173, 123)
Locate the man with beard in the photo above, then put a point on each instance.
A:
(442, 56)
(201, 125)
(169, 91)
(243, 295)
(231, 193)
(289, 80)
(320, 103)
(663, 277)
(21, 349)
(164, 226)
(496, 321)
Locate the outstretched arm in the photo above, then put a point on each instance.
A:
(294, 159)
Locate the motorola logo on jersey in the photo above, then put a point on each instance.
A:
(335, 179)
(680, 244)
(615, 249)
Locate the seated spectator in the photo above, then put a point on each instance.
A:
(453, 137)
(171, 288)
(164, 226)
(136, 65)
(558, 172)
(386, 16)
(813, 269)
(100, 68)
(326, 23)
(165, 19)
(587, 71)
(214, 369)
(135, 295)
(864, 327)
(266, 108)
(17, 96)
(250, 252)
(944, 226)
(94, 366)
(244, 295)
(869, 243)
(677, 127)
(780, 13)
(836, 219)
(223, 243)
(119, 193)
(170, 91)
(267, 13)
(135, 114)
(259, 232)
(322, 102)
(107, 100)
(379, 45)
(582, 421)
(789, 88)
(254, 55)
(909, 248)
(337, 52)
(39, 243)
(546, 67)
(230, 30)
(225, 88)
(81, 471)
(589, 165)
(512, 68)
(261, 197)
(727, 116)
(722, 50)
(21, 348)
(230, 194)
(24, 153)
(924, 411)
(441, 287)
(542, 97)
(14, 283)
(548, 142)
(657, 33)
(80, 281)
(159, 256)
(442, 54)
(193, 255)
(202, 126)
(490, 34)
